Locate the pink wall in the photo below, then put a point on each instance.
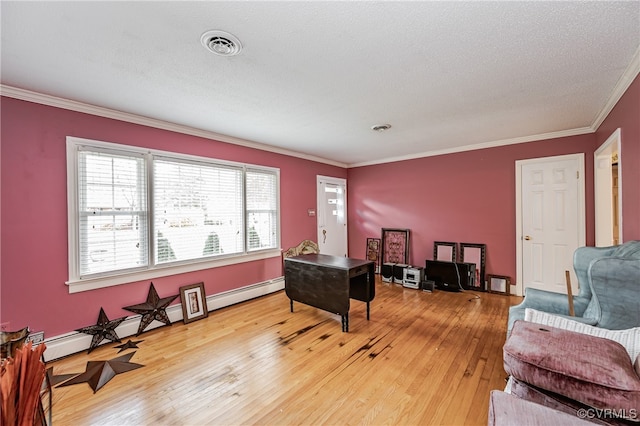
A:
(626, 116)
(463, 197)
(34, 215)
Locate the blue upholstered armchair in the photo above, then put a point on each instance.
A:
(609, 297)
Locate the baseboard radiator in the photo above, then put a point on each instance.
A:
(70, 343)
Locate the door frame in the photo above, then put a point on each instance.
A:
(580, 201)
(602, 188)
(336, 181)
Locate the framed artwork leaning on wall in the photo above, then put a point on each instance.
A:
(475, 253)
(445, 251)
(498, 284)
(395, 245)
(194, 302)
(373, 252)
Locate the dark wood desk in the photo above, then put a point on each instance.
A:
(329, 282)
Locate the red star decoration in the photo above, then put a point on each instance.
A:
(104, 329)
(152, 309)
(98, 373)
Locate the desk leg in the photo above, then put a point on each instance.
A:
(345, 323)
(371, 277)
(291, 302)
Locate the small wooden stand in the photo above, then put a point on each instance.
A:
(567, 275)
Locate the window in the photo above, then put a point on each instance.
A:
(198, 210)
(262, 209)
(134, 210)
(112, 213)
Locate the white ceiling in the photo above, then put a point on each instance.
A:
(313, 77)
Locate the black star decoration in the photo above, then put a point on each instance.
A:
(104, 329)
(98, 373)
(129, 345)
(152, 309)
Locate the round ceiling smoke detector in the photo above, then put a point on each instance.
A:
(381, 127)
(221, 43)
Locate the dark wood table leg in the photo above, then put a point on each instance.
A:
(291, 302)
(345, 323)
(371, 282)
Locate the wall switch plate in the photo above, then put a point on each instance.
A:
(36, 338)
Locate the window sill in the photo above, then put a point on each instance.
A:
(77, 286)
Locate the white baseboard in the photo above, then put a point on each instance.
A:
(70, 343)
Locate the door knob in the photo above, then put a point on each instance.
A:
(324, 236)
(527, 238)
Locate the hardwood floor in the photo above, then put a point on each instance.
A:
(424, 358)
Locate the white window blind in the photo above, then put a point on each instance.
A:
(262, 209)
(112, 212)
(198, 210)
(136, 213)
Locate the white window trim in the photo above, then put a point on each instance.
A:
(76, 284)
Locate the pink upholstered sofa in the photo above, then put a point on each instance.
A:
(582, 375)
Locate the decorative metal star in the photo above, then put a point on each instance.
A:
(56, 379)
(129, 345)
(104, 329)
(98, 373)
(152, 309)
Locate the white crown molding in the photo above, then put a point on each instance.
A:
(621, 87)
(40, 98)
(492, 144)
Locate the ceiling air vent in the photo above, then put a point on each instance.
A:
(221, 43)
(381, 127)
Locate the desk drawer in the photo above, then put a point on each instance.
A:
(358, 271)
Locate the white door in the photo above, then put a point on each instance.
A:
(551, 220)
(608, 191)
(332, 217)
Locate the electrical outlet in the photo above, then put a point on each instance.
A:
(4, 326)
(36, 338)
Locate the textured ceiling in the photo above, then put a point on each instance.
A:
(313, 77)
